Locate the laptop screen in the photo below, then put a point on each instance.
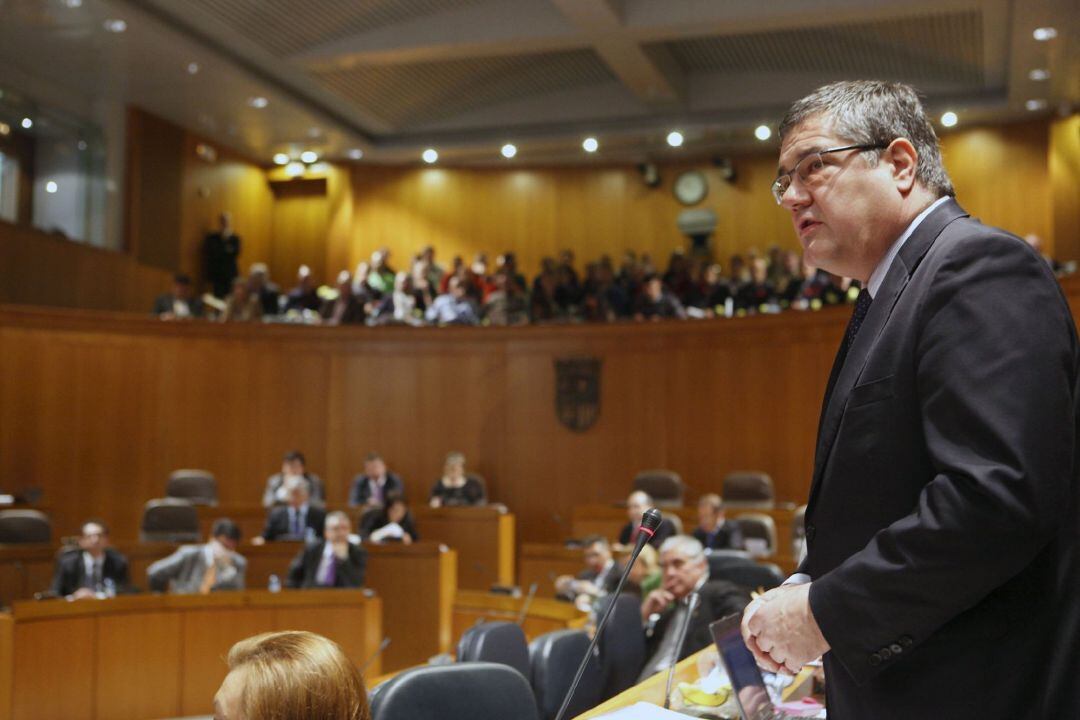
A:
(746, 680)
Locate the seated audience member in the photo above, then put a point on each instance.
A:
(304, 296)
(758, 294)
(393, 523)
(600, 576)
(242, 305)
(381, 276)
(291, 675)
(505, 305)
(297, 520)
(636, 505)
(713, 531)
(685, 570)
(401, 306)
(543, 306)
(432, 271)
(715, 290)
(331, 563)
(267, 292)
(375, 484)
(202, 568)
(658, 303)
(181, 303)
(790, 284)
(346, 308)
(507, 265)
(456, 487)
(293, 465)
(94, 570)
(644, 576)
(738, 273)
(454, 307)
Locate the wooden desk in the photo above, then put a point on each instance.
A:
(483, 537)
(541, 563)
(543, 615)
(148, 656)
(650, 690)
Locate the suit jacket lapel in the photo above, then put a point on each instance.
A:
(843, 378)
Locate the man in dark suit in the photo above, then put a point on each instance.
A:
(332, 563)
(181, 303)
(636, 505)
(296, 520)
(942, 520)
(221, 250)
(600, 576)
(376, 484)
(94, 570)
(685, 571)
(714, 531)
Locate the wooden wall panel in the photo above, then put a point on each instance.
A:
(300, 230)
(55, 670)
(138, 665)
(1065, 186)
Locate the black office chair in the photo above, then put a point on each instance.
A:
(750, 575)
(665, 487)
(621, 645)
(759, 529)
(555, 657)
(169, 520)
(196, 486)
(720, 559)
(24, 526)
(463, 691)
(748, 489)
(495, 642)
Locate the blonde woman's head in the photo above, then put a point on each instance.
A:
(290, 675)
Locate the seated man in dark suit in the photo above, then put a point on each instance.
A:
(95, 570)
(392, 523)
(636, 505)
(293, 465)
(376, 484)
(202, 568)
(181, 303)
(685, 571)
(600, 576)
(298, 520)
(713, 531)
(333, 562)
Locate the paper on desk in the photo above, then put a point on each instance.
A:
(644, 711)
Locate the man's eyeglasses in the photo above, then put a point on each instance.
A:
(809, 169)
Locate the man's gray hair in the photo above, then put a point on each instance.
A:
(872, 112)
(685, 545)
(337, 515)
(296, 482)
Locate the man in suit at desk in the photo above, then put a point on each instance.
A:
(94, 570)
(332, 563)
(202, 568)
(714, 531)
(293, 465)
(298, 520)
(636, 505)
(941, 571)
(600, 576)
(376, 484)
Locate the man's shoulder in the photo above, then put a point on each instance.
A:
(115, 555)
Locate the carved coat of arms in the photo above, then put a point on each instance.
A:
(577, 392)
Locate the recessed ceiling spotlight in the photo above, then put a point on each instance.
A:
(762, 132)
(193, 68)
(115, 25)
(355, 154)
(675, 138)
(309, 156)
(1044, 33)
(281, 159)
(26, 123)
(1039, 74)
(73, 3)
(508, 150)
(51, 187)
(81, 145)
(294, 169)
(258, 102)
(948, 119)
(430, 156)
(1036, 105)
(590, 145)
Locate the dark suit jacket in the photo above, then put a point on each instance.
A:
(70, 573)
(728, 537)
(361, 488)
(277, 522)
(719, 598)
(164, 304)
(663, 531)
(349, 573)
(943, 502)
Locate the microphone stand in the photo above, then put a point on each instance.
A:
(527, 604)
(382, 646)
(691, 605)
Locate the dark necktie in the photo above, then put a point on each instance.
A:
(295, 522)
(862, 306)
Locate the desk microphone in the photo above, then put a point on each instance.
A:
(382, 646)
(528, 602)
(650, 520)
(692, 602)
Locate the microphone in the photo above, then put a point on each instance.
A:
(692, 601)
(525, 605)
(382, 646)
(650, 520)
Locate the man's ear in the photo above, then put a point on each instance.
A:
(903, 158)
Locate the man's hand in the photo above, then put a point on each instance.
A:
(83, 594)
(780, 629)
(656, 602)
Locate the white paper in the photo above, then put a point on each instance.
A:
(644, 711)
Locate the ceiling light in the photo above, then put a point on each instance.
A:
(430, 156)
(73, 3)
(192, 68)
(51, 187)
(1039, 74)
(294, 169)
(762, 132)
(258, 102)
(81, 145)
(674, 138)
(115, 25)
(355, 154)
(27, 123)
(949, 118)
(5, 129)
(1044, 33)
(590, 145)
(1036, 105)
(309, 156)
(508, 151)
(281, 159)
